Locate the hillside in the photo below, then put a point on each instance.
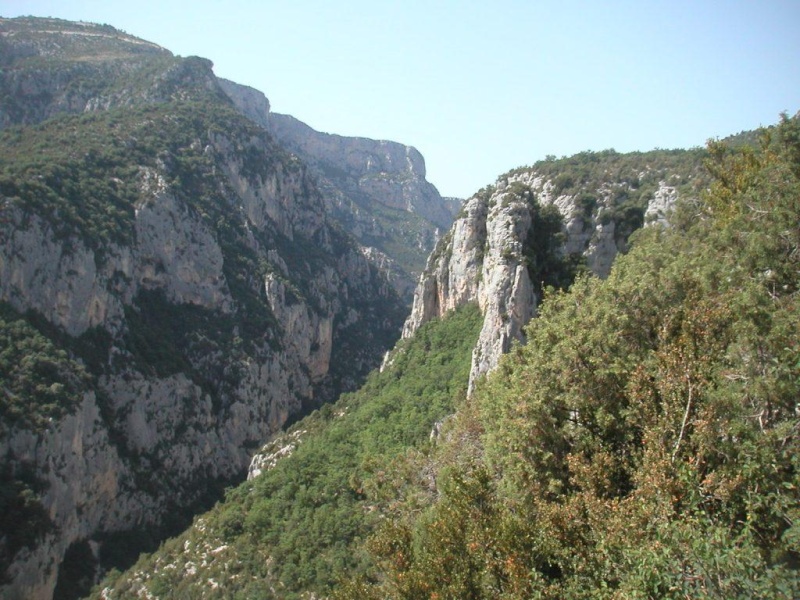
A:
(644, 442)
(659, 400)
(298, 526)
(172, 293)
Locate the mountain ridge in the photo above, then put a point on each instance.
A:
(375, 189)
(181, 269)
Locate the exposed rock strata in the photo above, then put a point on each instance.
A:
(360, 180)
(481, 258)
(267, 304)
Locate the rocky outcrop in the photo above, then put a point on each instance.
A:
(483, 259)
(388, 172)
(84, 478)
(505, 292)
(59, 280)
(252, 103)
(222, 300)
(360, 180)
(663, 203)
(453, 274)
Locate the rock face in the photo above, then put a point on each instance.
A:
(389, 172)
(43, 60)
(375, 189)
(187, 261)
(483, 258)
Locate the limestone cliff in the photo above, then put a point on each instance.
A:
(184, 262)
(51, 67)
(486, 258)
(375, 189)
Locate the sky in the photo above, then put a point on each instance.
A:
(480, 88)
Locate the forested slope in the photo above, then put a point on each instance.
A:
(300, 525)
(644, 443)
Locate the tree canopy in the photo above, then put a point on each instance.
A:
(644, 443)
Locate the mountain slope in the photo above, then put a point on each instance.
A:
(184, 291)
(644, 443)
(582, 435)
(540, 225)
(297, 527)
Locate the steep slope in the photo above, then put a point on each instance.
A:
(644, 443)
(375, 189)
(537, 227)
(297, 527)
(180, 289)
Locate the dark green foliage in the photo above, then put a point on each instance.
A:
(542, 253)
(167, 338)
(41, 383)
(299, 526)
(644, 443)
(548, 266)
(639, 170)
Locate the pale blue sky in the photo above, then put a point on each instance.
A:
(483, 87)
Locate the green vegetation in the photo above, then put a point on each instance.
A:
(77, 42)
(640, 170)
(84, 175)
(298, 526)
(628, 180)
(41, 382)
(167, 338)
(548, 266)
(645, 442)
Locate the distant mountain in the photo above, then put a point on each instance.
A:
(374, 189)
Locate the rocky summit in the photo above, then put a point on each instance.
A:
(375, 189)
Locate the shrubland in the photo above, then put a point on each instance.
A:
(300, 525)
(644, 443)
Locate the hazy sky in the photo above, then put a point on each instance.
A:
(483, 87)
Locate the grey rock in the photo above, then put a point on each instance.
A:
(480, 259)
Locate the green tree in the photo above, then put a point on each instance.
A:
(644, 443)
